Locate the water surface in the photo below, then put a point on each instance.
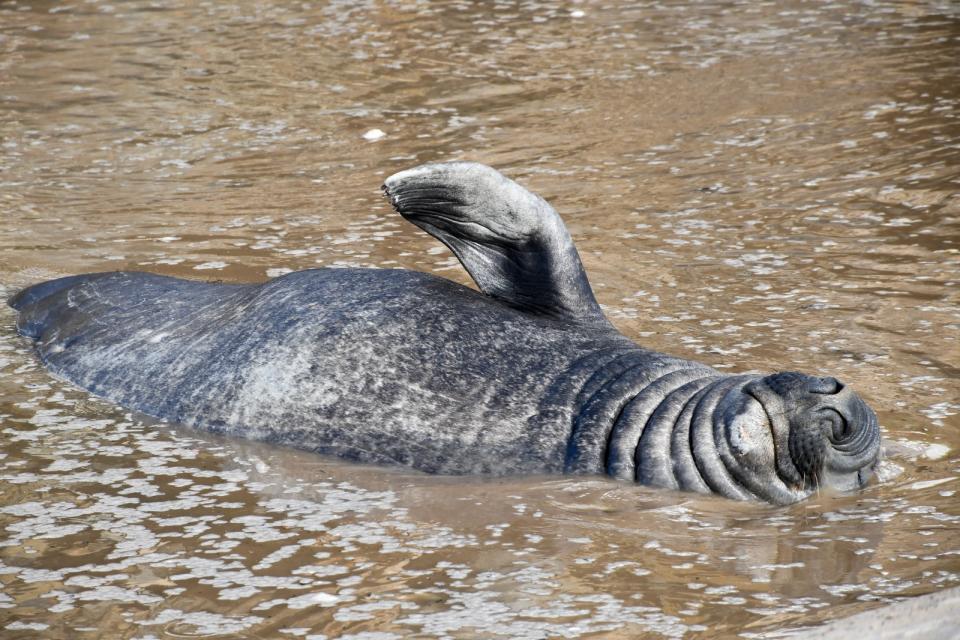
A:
(755, 185)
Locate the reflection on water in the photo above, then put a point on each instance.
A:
(754, 185)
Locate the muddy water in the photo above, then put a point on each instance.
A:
(759, 186)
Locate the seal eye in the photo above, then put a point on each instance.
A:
(835, 424)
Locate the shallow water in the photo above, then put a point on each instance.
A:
(756, 185)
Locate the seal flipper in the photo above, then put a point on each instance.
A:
(513, 244)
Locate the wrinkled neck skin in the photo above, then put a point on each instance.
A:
(677, 424)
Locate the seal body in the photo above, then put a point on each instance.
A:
(395, 366)
(371, 365)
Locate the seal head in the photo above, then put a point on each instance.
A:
(823, 435)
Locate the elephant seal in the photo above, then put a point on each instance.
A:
(402, 367)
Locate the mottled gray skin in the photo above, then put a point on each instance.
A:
(401, 367)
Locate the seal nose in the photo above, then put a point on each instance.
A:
(824, 386)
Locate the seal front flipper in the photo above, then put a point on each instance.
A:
(513, 244)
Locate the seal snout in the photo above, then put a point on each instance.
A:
(826, 435)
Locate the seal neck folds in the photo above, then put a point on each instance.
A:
(678, 425)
